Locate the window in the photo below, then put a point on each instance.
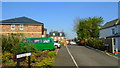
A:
(53, 34)
(60, 34)
(21, 26)
(62, 37)
(36, 41)
(113, 31)
(46, 41)
(13, 27)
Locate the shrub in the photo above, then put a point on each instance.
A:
(52, 53)
(6, 56)
(96, 43)
(11, 43)
(46, 62)
(27, 48)
(62, 43)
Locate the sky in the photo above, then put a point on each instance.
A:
(60, 0)
(60, 16)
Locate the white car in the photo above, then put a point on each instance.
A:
(57, 44)
(72, 43)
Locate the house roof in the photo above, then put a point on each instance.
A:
(21, 20)
(56, 34)
(45, 29)
(111, 23)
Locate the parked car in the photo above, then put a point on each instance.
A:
(72, 43)
(82, 42)
(57, 44)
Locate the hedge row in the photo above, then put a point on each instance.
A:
(96, 43)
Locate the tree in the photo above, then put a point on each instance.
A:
(88, 27)
(53, 31)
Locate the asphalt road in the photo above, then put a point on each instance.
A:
(84, 57)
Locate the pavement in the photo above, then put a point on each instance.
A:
(83, 57)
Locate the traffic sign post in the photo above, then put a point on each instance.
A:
(28, 61)
(18, 63)
(21, 56)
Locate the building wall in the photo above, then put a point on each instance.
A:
(107, 32)
(117, 41)
(29, 31)
(44, 33)
(118, 29)
(59, 38)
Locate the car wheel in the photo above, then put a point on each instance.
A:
(56, 47)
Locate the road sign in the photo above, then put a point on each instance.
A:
(23, 55)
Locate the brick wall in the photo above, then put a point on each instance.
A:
(44, 33)
(59, 38)
(29, 31)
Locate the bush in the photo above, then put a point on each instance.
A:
(52, 53)
(62, 43)
(27, 48)
(6, 56)
(46, 62)
(96, 43)
(11, 43)
(43, 58)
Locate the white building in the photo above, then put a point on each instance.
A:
(112, 30)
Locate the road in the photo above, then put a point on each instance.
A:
(84, 58)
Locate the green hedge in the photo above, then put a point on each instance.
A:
(96, 43)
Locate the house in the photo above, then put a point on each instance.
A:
(58, 36)
(111, 30)
(28, 27)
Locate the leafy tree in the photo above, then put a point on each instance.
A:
(88, 27)
(53, 31)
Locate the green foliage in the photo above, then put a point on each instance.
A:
(28, 48)
(11, 46)
(11, 43)
(38, 58)
(46, 62)
(96, 43)
(43, 58)
(52, 53)
(88, 27)
(6, 56)
(54, 31)
(62, 43)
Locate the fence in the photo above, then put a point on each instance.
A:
(108, 44)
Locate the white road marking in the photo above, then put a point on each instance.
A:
(72, 58)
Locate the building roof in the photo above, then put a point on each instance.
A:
(21, 20)
(56, 34)
(111, 23)
(45, 29)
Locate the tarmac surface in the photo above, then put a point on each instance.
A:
(84, 58)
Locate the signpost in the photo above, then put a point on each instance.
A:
(23, 55)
